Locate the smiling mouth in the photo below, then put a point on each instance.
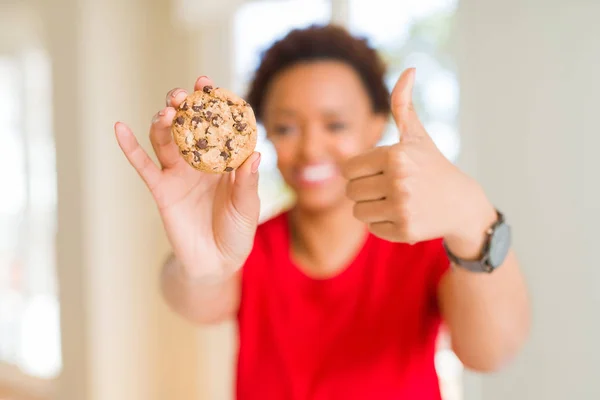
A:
(315, 174)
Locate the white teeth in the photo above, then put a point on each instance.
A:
(318, 173)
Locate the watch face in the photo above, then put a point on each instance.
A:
(499, 245)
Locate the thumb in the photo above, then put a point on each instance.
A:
(245, 188)
(402, 106)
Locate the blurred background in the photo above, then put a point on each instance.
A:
(508, 90)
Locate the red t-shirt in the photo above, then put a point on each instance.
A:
(367, 333)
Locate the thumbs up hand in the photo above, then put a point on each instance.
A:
(409, 192)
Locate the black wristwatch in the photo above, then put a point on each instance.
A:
(495, 248)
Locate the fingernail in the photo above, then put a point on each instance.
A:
(176, 93)
(162, 113)
(155, 118)
(255, 164)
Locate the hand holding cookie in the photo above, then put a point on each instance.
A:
(206, 188)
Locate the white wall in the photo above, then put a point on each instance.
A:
(114, 61)
(530, 106)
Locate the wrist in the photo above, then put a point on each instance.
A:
(467, 238)
(206, 276)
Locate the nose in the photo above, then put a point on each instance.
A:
(312, 143)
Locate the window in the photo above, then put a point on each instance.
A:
(29, 312)
(414, 33)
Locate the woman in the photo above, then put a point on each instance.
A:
(343, 295)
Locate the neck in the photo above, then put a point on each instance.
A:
(324, 242)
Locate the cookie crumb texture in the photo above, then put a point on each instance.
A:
(215, 130)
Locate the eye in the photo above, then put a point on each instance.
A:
(336, 126)
(282, 130)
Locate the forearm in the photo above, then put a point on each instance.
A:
(207, 300)
(488, 314)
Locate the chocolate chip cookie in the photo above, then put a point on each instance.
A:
(215, 130)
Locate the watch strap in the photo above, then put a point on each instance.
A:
(481, 264)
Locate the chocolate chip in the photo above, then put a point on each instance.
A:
(237, 116)
(179, 120)
(196, 108)
(207, 89)
(216, 120)
(228, 169)
(185, 152)
(202, 144)
(196, 156)
(228, 144)
(196, 120)
(208, 114)
(184, 106)
(229, 102)
(240, 127)
(224, 155)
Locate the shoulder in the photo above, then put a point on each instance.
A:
(419, 252)
(276, 221)
(424, 261)
(273, 228)
(431, 255)
(271, 234)
(430, 248)
(416, 270)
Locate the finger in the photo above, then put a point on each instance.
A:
(403, 109)
(136, 156)
(161, 138)
(371, 211)
(203, 81)
(369, 163)
(175, 97)
(384, 229)
(401, 101)
(369, 188)
(245, 189)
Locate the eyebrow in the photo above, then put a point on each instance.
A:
(283, 111)
(287, 112)
(332, 113)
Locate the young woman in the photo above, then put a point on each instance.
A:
(342, 296)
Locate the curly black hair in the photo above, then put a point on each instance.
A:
(328, 42)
